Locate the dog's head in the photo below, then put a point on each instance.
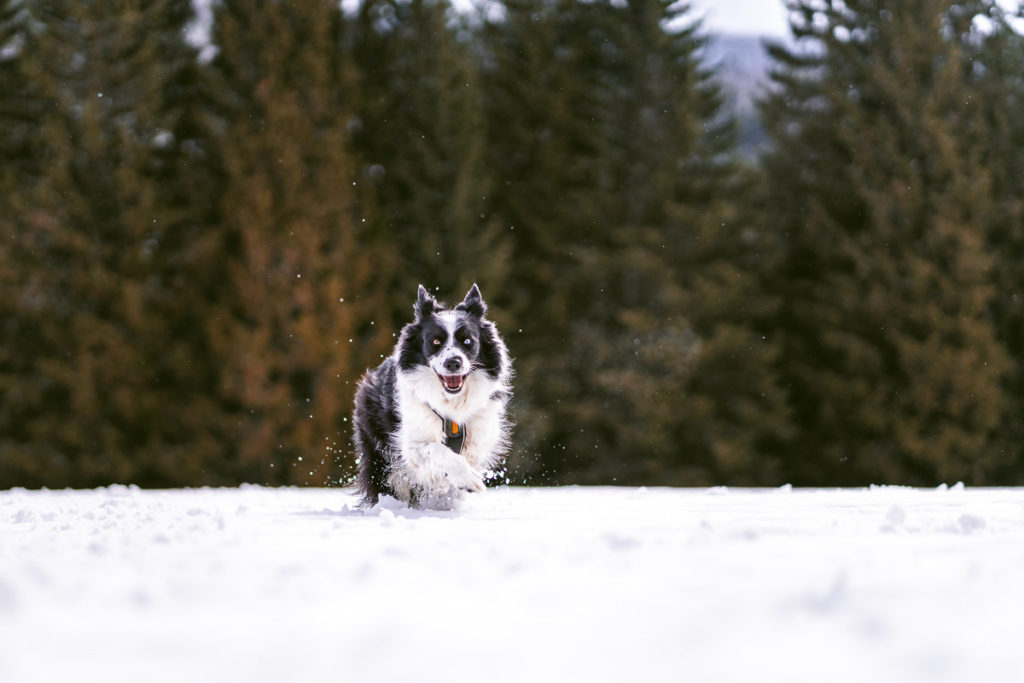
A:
(453, 342)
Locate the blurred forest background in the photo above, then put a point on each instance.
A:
(202, 247)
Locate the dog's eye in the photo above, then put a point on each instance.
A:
(467, 341)
(437, 342)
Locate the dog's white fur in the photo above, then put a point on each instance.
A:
(438, 476)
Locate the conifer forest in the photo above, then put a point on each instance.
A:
(204, 246)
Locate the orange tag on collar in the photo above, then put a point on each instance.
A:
(455, 427)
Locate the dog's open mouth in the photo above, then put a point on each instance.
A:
(452, 383)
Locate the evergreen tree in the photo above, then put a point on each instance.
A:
(102, 380)
(998, 137)
(882, 204)
(418, 145)
(21, 106)
(294, 323)
(613, 159)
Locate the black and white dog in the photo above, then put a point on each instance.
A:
(430, 421)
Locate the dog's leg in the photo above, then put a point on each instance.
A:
(431, 475)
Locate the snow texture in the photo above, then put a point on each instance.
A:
(597, 584)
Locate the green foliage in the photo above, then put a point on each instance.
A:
(199, 257)
(419, 154)
(882, 203)
(98, 318)
(292, 264)
(997, 138)
(612, 159)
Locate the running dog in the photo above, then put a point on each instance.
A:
(430, 420)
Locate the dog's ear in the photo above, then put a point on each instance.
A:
(473, 303)
(425, 303)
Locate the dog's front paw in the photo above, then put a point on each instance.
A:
(456, 472)
(445, 479)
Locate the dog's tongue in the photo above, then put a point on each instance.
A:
(452, 382)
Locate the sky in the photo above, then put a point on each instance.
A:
(747, 17)
(764, 17)
(750, 17)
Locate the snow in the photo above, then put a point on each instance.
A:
(599, 584)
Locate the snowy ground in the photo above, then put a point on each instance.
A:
(595, 584)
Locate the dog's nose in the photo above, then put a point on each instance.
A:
(453, 364)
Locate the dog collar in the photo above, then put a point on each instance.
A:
(454, 434)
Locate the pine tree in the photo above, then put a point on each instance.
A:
(614, 162)
(101, 381)
(888, 348)
(294, 323)
(418, 144)
(998, 137)
(21, 106)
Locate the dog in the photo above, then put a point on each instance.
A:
(430, 421)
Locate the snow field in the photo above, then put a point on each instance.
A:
(598, 584)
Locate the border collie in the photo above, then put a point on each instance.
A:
(430, 420)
